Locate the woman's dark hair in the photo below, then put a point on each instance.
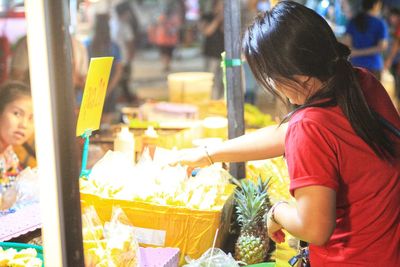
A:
(11, 91)
(101, 39)
(360, 19)
(290, 40)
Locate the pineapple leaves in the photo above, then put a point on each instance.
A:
(251, 201)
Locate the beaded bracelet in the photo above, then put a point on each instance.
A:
(271, 212)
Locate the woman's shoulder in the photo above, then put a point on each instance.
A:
(317, 115)
(376, 96)
(377, 22)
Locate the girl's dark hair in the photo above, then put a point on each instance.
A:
(101, 39)
(290, 40)
(11, 91)
(360, 20)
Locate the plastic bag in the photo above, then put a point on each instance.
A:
(8, 198)
(213, 258)
(19, 191)
(92, 234)
(152, 180)
(28, 187)
(110, 174)
(121, 241)
(115, 244)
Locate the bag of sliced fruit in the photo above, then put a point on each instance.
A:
(113, 244)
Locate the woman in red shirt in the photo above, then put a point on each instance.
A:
(344, 167)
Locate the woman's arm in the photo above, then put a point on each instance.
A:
(118, 68)
(268, 142)
(313, 218)
(208, 28)
(347, 40)
(380, 48)
(393, 52)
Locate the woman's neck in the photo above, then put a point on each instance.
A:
(3, 147)
(375, 11)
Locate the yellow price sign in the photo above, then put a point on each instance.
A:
(94, 95)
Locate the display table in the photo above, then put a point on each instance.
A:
(20, 222)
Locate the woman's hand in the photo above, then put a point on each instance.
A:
(192, 158)
(8, 199)
(275, 230)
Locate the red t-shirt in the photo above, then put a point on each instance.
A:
(321, 148)
(397, 31)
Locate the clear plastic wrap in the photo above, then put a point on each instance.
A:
(121, 241)
(28, 187)
(8, 198)
(213, 257)
(115, 244)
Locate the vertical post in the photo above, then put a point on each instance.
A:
(50, 58)
(234, 92)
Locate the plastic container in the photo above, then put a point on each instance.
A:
(21, 246)
(215, 127)
(150, 140)
(164, 111)
(190, 87)
(125, 142)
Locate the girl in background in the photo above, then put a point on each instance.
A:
(16, 126)
(367, 37)
(167, 34)
(212, 27)
(101, 45)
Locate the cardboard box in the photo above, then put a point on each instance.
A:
(192, 231)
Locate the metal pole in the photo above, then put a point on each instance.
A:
(235, 96)
(50, 57)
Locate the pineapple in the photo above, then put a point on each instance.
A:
(252, 203)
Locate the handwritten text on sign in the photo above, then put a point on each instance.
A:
(94, 95)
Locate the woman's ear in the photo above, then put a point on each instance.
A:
(311, 84)
(304, 81)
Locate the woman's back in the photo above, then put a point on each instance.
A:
(367, 187)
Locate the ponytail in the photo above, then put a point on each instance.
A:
(344, 90)
(351, 100)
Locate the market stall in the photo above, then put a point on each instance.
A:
(181, 218)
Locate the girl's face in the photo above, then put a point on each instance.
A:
(290, 90)
(16, 122)
(294, 96)
(298, 93)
